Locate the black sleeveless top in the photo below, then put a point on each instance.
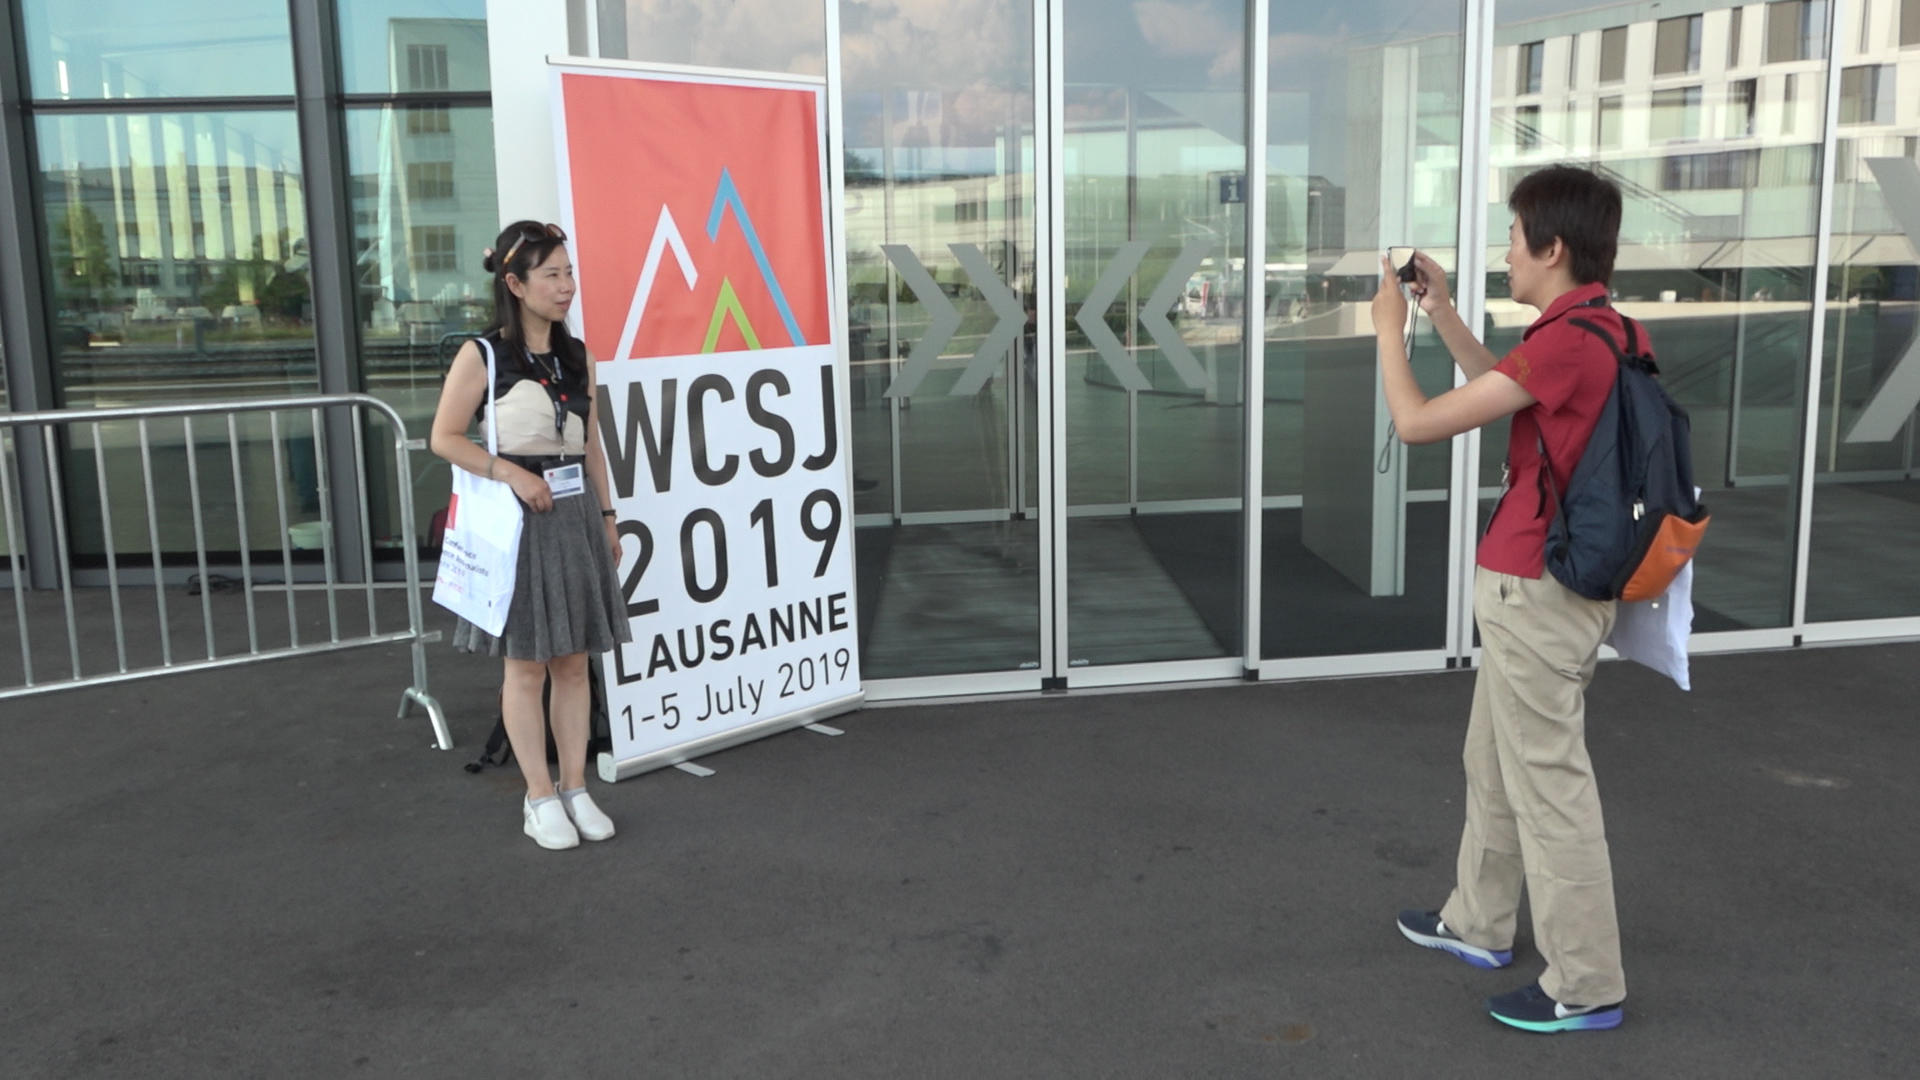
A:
(565, 383)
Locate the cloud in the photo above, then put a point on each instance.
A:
(1194, 30)
(762, 35)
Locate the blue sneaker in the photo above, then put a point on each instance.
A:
(1530, 1009)
(1425, 928)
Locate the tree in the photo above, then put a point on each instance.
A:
(81, 260)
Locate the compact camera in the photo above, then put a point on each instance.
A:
(1401, 259)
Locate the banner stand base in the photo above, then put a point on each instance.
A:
(613, 770)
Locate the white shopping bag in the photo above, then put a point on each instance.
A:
(481, 546)
(1654, 632)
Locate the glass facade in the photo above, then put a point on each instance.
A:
(119, 49)
(1063, 504)
(1155, 163)
(177, 223)
(1717, 151)
(1864, 557)
(424, 203)
(1363, 153)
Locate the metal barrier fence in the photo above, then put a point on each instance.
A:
(70, 425)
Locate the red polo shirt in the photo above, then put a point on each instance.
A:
(1569, 372)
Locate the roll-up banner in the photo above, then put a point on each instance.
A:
(696, 204)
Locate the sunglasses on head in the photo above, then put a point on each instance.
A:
(536, 233)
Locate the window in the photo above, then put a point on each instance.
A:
(1676, 114)
(1724, 171)
(427, 67)
(155, 50)
(1608, 124)
(1613, 54)
(433, 248)
(1573, 60)
(1866, 24)
(1789, 103)
(1742, 95)
(1733, 39)
(1794, 29)
(429, 120)
(377, 38)
(430, 180)
(1866, 94)
(1676, 46)
(1532, 54)
(1788, 166)
(1526, 127)
(1909, 22)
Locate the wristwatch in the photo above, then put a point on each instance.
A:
(609, 513)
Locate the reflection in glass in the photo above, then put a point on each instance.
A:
(425, 203)
(940, 247)
(1720, 179)
(1864, 554)
(756, 35)
(177, 260)
(1363, 148)
(157, 48)
(412, 46)
(6, 454)
(1155, 283)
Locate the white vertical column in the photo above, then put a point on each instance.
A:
(832, 118)
(240, 191)
(521, 34)
(1253, 350)
(1837, 12)
(1470, 298)
(213, 209)
(173, 160)
(1050, 296)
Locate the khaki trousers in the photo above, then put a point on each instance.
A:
(1533, 809)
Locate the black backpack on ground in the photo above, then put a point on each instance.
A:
(599, 734)
(1629, 519)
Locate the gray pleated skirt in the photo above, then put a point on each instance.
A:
(566, 590)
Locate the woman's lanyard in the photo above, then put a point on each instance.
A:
(554, 387)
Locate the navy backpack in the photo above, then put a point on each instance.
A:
(1629, 519)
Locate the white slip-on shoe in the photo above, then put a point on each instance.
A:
(587, 816)
(548, 825)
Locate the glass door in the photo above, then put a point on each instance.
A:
(1153, 167)
(1033, 503)
(941, 253)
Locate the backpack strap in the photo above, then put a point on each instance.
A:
(1631, 354)
(1600, 332)
(1545, 481)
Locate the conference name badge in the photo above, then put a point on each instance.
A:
(566, 480)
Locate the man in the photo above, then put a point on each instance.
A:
(1533, 810)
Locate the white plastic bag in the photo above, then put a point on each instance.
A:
(1655, 632)
(481, 547)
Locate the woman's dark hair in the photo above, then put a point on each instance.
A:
(1580, 207)
(534, 243)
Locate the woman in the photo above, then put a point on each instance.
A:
(566, 596)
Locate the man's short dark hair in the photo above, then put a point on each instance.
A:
(1580, 207)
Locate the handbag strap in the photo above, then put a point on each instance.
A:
(493, 428)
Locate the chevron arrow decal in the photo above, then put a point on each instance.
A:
(1092, 314)
(942, 320)
(1896, 397)
(1153, 314)
(1004, 304)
